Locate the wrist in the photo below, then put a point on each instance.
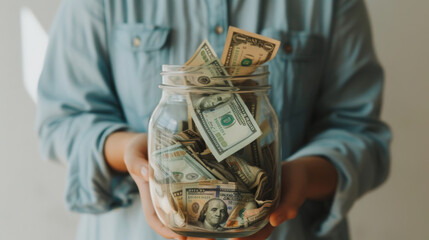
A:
(115, 147)
(321, 177)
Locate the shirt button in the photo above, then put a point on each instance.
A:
(219, 29)
(288, 48)
(137, 41)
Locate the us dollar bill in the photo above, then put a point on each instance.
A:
(223, 119)
(216, 169)
(236, 218)
(255, 215)
(190, 199)
(192, 139)
(254, 178)
(269, 159)
(203, 55)
(244, 49)
(179, 165)
(252, 152)
(209, 206)
(200, 74)
(162, 137)
(165, 204)
(250, 175)
(268, 187)
(224, 122)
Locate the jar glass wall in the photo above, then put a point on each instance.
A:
(214, 152)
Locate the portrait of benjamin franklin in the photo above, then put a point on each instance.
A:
(212, 101)
(213, 214)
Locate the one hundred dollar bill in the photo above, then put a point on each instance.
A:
(224, 122)
(192, 201)
(162, 137)
(209, 206)
(199, 74)
(244, 49)
(223, 119)
(236, 218)
(191, 139)
(252, 152)
(252, 216)
(250, 175)
(177, 163)
(217, 169)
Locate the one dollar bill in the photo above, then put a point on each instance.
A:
(244, 49)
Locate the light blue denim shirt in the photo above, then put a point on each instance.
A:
(102, 73)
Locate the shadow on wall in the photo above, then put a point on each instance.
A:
(34, 41)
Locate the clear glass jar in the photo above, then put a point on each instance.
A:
(214, 152)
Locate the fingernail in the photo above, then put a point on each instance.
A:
(144, 171)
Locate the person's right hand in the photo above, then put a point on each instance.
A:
(136, 161)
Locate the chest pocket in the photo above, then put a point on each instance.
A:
(295, 72)
(137, 54)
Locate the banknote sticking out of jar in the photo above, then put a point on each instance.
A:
(214, 151)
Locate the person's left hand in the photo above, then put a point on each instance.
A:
(136, 161)
(309, 177)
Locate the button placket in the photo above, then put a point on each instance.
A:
(288, 47)
(217, 23)
(137, 41)
(219, 29)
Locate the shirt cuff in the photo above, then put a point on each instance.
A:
(92, 186)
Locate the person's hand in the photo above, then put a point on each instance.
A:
(136, 161)
(309, 177)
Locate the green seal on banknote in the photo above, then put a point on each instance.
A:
(246, 62)
(227, 120)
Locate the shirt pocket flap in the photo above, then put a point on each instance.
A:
(296, 45)
(140, 37)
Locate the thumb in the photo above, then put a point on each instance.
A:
(136, 159)
(287, 209)
(278, 218)
(137, 167)
(139, 171)
(292, 194)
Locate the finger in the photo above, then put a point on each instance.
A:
(151, 216)
(292, 193)
(138, 168)
(264, 233)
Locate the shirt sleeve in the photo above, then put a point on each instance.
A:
(78, 108)
(346, 128)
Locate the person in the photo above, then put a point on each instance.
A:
(99, 86)
(213, 214)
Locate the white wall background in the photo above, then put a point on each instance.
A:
(31, 191)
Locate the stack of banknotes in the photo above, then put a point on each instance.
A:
(215, 174)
